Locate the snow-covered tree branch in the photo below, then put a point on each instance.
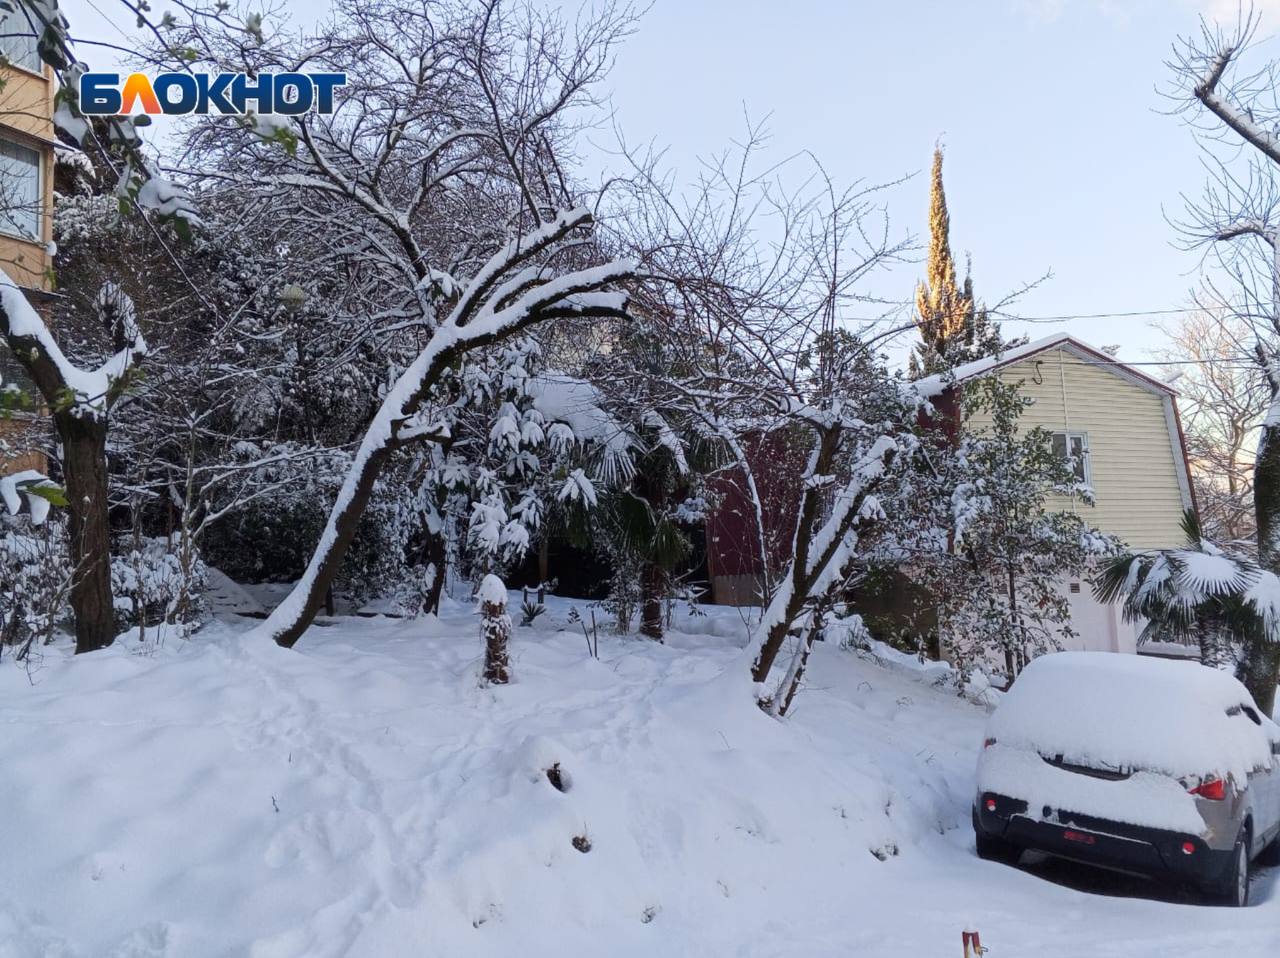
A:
(1230, 106)
(438, 188)
(81, 401)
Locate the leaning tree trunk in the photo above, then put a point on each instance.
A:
(818, 557)
(793, 591)
(84, 458)
(327, 560)
(1260, 670)
(786, 693)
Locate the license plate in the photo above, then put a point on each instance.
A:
(1080, 837)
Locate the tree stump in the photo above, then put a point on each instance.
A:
(495, 629)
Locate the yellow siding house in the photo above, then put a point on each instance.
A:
(1123, 430)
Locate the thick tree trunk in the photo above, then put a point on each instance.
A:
(1261, 669)
(652, 581)
(1259, 672)
(83, 432)
(84, 466)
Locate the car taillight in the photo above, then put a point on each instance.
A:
(988, 743)
(1214, 789)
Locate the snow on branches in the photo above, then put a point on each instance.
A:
(86, 393)
(487, 311)
(36, 488)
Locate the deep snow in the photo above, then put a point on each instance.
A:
(363, 795)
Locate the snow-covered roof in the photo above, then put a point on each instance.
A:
(931, 386)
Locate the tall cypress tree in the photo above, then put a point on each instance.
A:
(953, 330)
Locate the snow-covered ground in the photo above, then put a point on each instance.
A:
(363, 795)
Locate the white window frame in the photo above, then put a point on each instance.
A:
(1085, 457)
(15, 28)
(7, 226)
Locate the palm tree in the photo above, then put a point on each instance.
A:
(641, 520)
(1224, 601)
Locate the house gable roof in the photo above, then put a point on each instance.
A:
(931, 386)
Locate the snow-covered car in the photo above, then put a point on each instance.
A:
(1152, 766)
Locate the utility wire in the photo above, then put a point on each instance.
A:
(1131, 314)
(1068, 317)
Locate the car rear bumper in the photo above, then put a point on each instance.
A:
(1132, 848)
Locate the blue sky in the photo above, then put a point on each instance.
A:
(1059, 156)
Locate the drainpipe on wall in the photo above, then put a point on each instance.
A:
(1066, 414)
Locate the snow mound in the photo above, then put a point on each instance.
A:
(1130, 712)
(491, 591)
(364, 796)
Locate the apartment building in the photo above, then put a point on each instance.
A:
(26, 200)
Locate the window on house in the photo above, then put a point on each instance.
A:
(1076, 446)
(18, 39)
(19, 190)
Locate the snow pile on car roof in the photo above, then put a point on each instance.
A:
(1125, 712)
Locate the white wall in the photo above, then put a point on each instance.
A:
(1100, 626)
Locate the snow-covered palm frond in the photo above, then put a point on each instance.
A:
(1181, 592)
(1209, 573)
(667, 439)
(576, 411)
(578, 488)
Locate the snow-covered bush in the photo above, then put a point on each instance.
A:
(271, 539)
(623, 598)
(35, 582)
(851, 632)
(157, 580)
(983, 540)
